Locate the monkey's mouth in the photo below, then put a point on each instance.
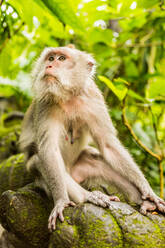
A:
(49, 78)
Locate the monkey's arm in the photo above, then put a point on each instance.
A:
(52, 168)
(27, 134)
(116, 155)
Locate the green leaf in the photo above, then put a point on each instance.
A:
(5, 58)
(27, 9)
(156, 87)
(100, 35)
(121, 81)
(118, 88)
(7, 90)
(147, 3)
(63, 10)
(136, 96)
(130, 67)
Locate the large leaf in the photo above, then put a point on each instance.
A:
(156, 87)
(118, 87)
(63, 10)
(27, 9)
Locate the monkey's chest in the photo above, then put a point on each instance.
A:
(72, 134)
(73, 141)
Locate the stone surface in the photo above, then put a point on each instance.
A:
(13, 174)
(9, 141)
(24, 214)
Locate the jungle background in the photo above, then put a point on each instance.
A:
(127, 39)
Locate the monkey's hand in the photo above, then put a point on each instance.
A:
(160, 203)
(100, 199)
(58, 212)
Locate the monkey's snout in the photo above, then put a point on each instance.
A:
(49, 66)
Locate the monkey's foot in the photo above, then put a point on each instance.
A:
(100, 199)
(58, 212)
(160, 203)
(147, 206)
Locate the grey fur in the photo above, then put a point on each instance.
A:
(71, 99)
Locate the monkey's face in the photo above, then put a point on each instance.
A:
(62, 69)
(59, 67)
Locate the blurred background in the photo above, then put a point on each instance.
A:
(127, 39)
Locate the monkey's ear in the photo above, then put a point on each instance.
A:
(71, 46)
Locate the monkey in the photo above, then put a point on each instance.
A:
(67, 114)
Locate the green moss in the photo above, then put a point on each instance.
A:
(24, 214)
(27, 216)
(13, 174)
(65, 235)
(98, 232)
(143, 233)
(9, 141)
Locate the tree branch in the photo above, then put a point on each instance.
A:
(153, 154)
(126, 123)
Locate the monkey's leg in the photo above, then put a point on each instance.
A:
(116, 156)
(78, 194)
(92, 165)
(75, 191)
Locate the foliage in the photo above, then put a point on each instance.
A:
(127, 41)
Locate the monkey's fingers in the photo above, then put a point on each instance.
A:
(71, 203)
(114, 198)
(160, 207)
(98, 202)
(61, 216)
(152, 197)
(157, 201)
(160, 203)
(99, 199)
(143, 210)
(52, 220)
(146, 196)
(56, 212)
(60, 213)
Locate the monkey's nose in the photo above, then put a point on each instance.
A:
(49, 66)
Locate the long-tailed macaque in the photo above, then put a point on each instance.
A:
(67, 113)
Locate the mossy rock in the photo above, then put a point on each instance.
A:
(9, 141)
(13, 174)
(25, 214)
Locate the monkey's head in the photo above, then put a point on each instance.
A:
(61, 71)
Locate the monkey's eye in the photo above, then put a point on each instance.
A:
(51, 58)
(61, 58)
